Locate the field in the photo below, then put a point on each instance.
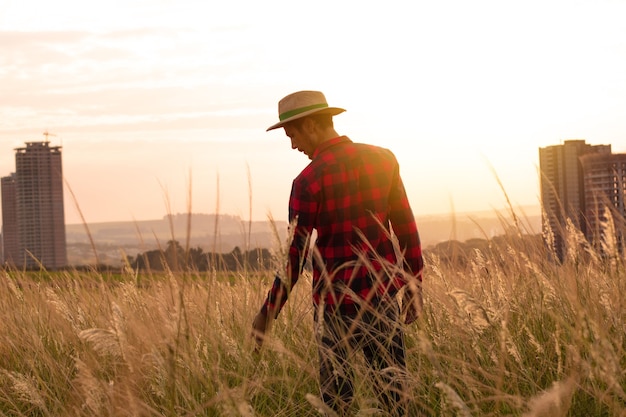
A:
(504, 332)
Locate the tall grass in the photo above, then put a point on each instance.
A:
(504, 331)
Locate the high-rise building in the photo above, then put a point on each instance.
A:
(32, 208)
(10, 242)
(562, 188)
(604, 178)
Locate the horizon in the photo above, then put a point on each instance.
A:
(162, 106)
(531, 210)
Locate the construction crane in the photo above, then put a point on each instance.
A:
(46, 134)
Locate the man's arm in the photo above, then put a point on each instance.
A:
(262, 323)
(405, 228)
(259, 327)
(274, 301)
(279, 293)
(412, 302)
(302, 209)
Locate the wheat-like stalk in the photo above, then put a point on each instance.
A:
(104, 341)
(473, 313)
(552, 402)
(90, 387)
(26, 390)
(63, 309)
(119, 329)
(454, 399)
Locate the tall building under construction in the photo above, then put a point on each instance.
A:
(604, 181)
(33, 217)
(583, 185)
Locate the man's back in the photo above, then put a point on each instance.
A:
(349, 185)
(349, 193)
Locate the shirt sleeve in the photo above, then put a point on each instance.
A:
(404, 226)
(302, 214)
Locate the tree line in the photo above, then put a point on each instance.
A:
(175, 258)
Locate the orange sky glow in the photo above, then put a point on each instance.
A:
(162, 105)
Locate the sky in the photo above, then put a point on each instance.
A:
(161, 106)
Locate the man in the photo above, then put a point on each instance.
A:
(367, 250)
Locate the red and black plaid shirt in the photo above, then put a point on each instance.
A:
(351, 194)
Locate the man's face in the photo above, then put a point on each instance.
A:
(300, 139)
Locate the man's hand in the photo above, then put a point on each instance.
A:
(412, 303)
(259, 326)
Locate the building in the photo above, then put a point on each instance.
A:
(562, 189)
(604, 178)
(33, 214)
(585, 185)
(10, 242)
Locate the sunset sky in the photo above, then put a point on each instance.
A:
(156, 100)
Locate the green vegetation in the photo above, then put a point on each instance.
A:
(504, 331)
(175, 258)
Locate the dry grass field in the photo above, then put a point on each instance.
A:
(504, 332)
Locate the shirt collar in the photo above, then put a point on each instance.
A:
(329, 143)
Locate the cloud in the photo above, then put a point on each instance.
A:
(122, 80)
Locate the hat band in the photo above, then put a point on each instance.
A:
(294, 112)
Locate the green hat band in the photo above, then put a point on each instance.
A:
(294, 112)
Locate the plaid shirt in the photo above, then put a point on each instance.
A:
(351, 194)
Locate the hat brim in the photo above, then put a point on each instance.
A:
(327, 110)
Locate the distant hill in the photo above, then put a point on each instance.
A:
(210, 232)
(223, 233)
(477, 225)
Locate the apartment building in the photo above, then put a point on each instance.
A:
(33, 216)
(580, 183)
(604, 178)
(10, 242)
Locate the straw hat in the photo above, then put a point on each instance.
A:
(301, 104)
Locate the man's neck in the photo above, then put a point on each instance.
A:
(326, 135)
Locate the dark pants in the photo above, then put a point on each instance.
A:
(377, 333)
